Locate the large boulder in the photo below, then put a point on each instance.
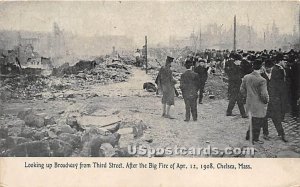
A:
(49, 120)
(40, 135)
(27, 132)
(3, 132)
(15, 127)
(35, 120)
(60, 148)
(22, 114)
(72, 139)
(59, 129)
(95, 144)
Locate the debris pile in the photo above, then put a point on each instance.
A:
(31, 83)
(36, 134)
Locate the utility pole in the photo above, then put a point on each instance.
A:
(234, 33)
(146, 59)
(299, 27)
(200, 38)
(249, 33)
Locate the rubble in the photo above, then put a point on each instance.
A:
(36, 83)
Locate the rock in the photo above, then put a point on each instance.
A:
(114, 129)
(122, 152)
(138, 130)
(15, 127)
(27, 132)
(72, 122)
(288, 154)
(51, 134)
(81, 75)
(3, 132)
(92, 133)
(40, 135)
(34, 120)
(149, 86)
(96, 143)
(69, 94)
(48, 120)
(31, 149)
(72, 139)
(59, 129)
(211, 96)
(60, 148)
(16, 123)
(107, 149)
(22, 114)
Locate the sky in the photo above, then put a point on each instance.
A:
(156, 19)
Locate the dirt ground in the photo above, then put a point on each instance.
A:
(130, 102)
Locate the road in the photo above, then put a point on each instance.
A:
(132, 104)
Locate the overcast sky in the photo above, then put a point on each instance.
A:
(156, 19)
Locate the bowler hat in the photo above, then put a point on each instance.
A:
(269, 63)
(169, 59)
(257, 64)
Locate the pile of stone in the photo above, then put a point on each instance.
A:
(36, 134)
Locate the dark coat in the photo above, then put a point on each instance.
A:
(189, 84)
(202, 73)
(166, 83)
(278, 92)
(233, 72)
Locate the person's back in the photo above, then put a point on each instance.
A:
(254, 86)
(189, 83)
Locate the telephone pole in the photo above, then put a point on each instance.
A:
(146, 59)
(234, 33)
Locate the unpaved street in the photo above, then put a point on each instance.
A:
(130, 103)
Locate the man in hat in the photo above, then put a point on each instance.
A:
(233, 71)
(266, 74)
(246, 66)
(201, 69)
(278, 95)
(166, 82)
(254, 87)
(189, 85)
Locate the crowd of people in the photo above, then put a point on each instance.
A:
(264, 84)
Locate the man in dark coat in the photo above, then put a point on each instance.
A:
(246, 67)
(189, 85)
(166, 83)
(254, 87)
(267, 75)
(278, 96)
(201, 70)
(232, 69)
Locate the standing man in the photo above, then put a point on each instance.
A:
(137, 56)
(278, 96)
(166, 82)
(189, 85)
(232, 69)
(254, 87)
(266, 74)
(201, 69)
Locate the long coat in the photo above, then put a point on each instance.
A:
(166, 82)
(278, 93)
(254, 87)
(189, 84)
